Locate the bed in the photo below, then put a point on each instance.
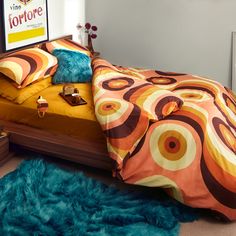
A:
(59, 142)
(152, 128)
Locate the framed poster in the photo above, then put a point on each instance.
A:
(25, 22)
(234, 63)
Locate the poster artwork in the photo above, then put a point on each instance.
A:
(25, 22)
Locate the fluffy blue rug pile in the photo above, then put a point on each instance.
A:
(40, 198)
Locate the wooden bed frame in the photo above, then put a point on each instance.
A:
(58, 145)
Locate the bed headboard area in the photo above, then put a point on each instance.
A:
(3, 54)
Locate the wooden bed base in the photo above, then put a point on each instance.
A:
(58, 145)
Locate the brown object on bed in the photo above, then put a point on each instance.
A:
(73, 100)
(71, 95)
(68, 89)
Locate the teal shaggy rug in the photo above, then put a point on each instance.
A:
(40, 198)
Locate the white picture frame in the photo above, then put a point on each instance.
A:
(25, 22)
(234, 62)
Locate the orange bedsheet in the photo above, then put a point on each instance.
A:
(76, 121)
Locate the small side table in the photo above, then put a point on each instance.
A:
(4, 146)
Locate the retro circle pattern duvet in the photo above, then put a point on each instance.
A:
(170, 130)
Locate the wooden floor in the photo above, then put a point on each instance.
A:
(203, 227)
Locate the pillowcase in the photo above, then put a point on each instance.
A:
(27, 66)
(65, 44)
(10, 92)
(73, 67)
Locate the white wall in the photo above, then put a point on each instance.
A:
(63, 16)
(192, 36)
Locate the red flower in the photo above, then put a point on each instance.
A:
(87, 26)
(94, 28)
(88, 29)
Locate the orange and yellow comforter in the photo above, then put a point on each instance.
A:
(170, 130)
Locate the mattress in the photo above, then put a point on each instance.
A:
(75, 121)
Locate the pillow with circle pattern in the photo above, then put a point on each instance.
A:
(66, 44)
(28, 65)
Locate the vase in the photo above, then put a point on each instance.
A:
(90, 44)
(80, 39)
(84, 39)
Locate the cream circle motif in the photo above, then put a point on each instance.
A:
(108, 110)
(172, 146)
(193, 95)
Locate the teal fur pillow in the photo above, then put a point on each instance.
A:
(73, 67)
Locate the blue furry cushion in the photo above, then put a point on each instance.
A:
(73, 67)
